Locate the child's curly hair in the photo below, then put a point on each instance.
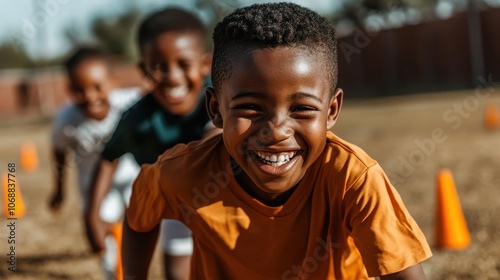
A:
(81, 54)
(268, 26)
(169, 20)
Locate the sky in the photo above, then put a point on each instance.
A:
(39, 25)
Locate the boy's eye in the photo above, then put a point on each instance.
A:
(303, 112)
(304, 109)
(247, 107)
(185, 64)
(160, 68)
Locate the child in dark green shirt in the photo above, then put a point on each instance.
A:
(175, 64)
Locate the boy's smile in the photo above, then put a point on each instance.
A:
(177, 64)
(275, 110)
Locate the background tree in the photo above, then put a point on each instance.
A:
(388, 13)
(11, 57)
(117, 35)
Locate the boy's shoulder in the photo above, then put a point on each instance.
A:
(194, 156)
(341, 154)
(69, 114)
(344, 166)
(183, 164)
(142, 109)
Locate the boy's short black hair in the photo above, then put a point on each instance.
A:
(268, 26)
(169, 20)
(82, 54)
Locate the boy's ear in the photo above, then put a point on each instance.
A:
(213, 107)
(206, 66)
(334, 108)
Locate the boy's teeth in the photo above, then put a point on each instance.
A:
(281, 158)
(275, 159)
(178, 92)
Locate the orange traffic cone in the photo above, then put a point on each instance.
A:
(29, 157)
(491, 116)
(116, 233)
(451, 228)
(13, 202)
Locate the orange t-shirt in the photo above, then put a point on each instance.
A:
(343, 221)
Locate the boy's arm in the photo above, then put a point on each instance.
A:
(117, 146)
(149, 204)
(58, 195)
(411, 273)
(96, 229)
(137, 251)
(60, 146)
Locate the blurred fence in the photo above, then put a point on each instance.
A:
(432, 56)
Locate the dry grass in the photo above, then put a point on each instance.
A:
(53, 246)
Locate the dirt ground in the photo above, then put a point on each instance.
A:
(399, 132)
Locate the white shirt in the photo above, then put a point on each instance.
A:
(86, 137)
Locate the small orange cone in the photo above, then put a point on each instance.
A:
(29, 157)
(491, 116)
(13, 202)
(451, 227)
(116, 233)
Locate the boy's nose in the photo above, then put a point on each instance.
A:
(275, 130)
(90, 95)
(173, 76)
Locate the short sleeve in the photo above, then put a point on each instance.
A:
(123, 98)
(118, 144)
(385, 234)
(146, 205)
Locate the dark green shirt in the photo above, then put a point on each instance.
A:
(146, 130)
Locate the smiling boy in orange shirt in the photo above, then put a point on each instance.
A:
(276, 196)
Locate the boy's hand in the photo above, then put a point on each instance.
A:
(56, 200)
(96, 230)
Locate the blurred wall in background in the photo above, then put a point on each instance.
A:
(431, 56)
(43, 91)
